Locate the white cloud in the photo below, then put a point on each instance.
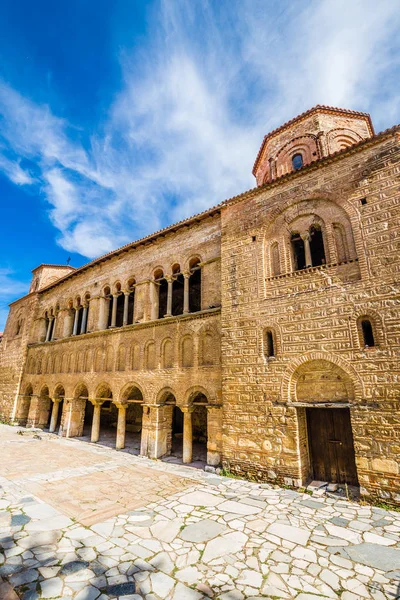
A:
(184, 129)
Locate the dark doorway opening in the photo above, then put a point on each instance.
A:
(331, 445)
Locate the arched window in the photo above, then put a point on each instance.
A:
(162, 293)
(367, 332)
(297, 161)
(269, 343)
(299, 256)
(317, 246)
(177, 290)
(131, 301)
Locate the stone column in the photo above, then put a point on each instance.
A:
(306, 239)
(104, 307)
(53, 331)
(186, 277)
(95, 434)
(121, 425)
(187, 434)
(169, 297)
(84, 319)
(54, 414)
(154, 300)
(126, 306)
(68, 323)
(49, 329)
(114, 310)
(76, 319)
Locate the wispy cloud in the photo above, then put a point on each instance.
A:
(194, 104)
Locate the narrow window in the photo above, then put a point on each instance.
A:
(299, 255)
(269, 344)
(120, 310)
(195, 286)
(368, 334)
(297, 161)
(177, 290)
(317, 246)
(162, 298)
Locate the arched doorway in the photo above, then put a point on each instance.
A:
(24, 406)
(108, 417)
(57, 409)
(44, 408)
(133, 397)
(325, 392)
(172, 416)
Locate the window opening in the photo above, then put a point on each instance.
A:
(298, 252)
(317, 246)
(162, 298)
(269, 344)
(195, 288)
(368, 334)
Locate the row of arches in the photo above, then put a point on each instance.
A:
(172, 294)
(189, 351)
(122, 422)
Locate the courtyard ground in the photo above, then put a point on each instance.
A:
(87, 522)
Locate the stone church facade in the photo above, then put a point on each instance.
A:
(265, 330)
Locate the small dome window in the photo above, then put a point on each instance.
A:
(297, 161)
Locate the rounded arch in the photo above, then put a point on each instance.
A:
(103, 390)
(81, 390)
(158, 273)
(193, 261)
(289, 380)
(167, 353)
(131, 391)
(130, 283)
(28, 390)
(117, 287)
(44, 391)
(59, 391)
(167, 395)
(186, 351)
(175, 268)
(196, 391)
(106, 291)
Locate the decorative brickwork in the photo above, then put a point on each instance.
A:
(230, 328)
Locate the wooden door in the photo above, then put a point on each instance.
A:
(331, 446)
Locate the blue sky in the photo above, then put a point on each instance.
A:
(120, 117)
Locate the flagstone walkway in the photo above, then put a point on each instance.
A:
(90, 523)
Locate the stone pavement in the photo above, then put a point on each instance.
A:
(194, 536)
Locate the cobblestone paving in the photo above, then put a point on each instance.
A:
(213, 538)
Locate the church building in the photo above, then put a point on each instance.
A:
(262, 335)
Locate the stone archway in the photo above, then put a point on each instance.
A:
(323, 394)
(132, 401)
(24, 405)
(57, 409)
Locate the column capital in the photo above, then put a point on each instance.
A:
(305, 236)
(186, 274)
(187, 409)
(97, 401)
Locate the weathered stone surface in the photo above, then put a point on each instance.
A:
(202, 531)
(375, 556)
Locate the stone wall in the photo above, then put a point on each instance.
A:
(314, 315)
